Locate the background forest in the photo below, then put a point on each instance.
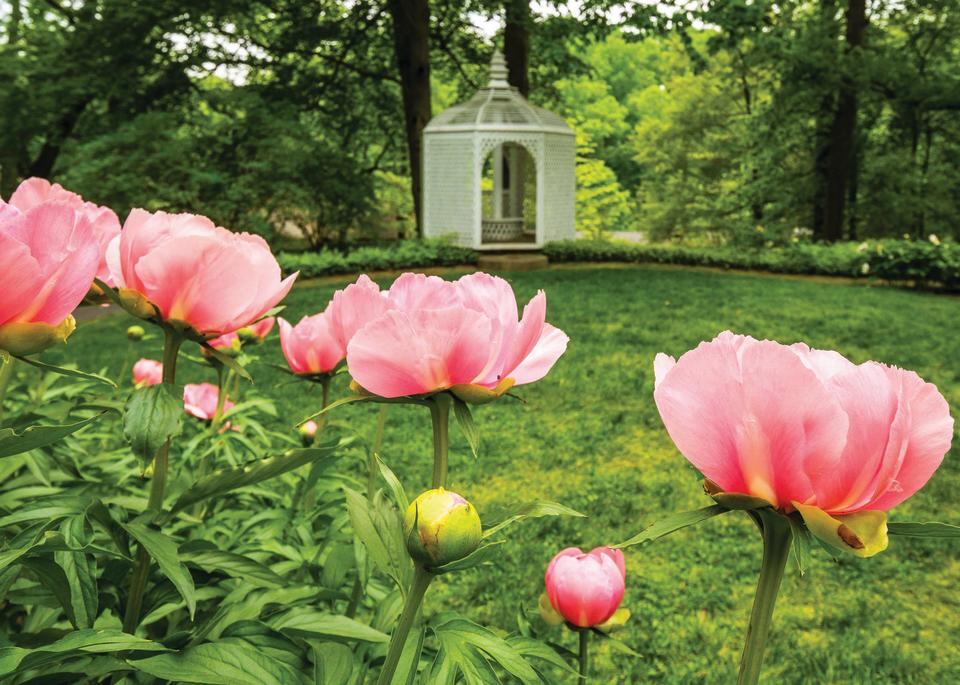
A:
(709, 122)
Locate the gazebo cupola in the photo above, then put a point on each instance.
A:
(498, 172)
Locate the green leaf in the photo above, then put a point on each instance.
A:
(163, 550)
(396, 487)
(14, 442)
(467, 425)
(801, 544)
(672, 524)
(468, 645)
(310, 624)
(377, 525)
(80, 570)
(73, 373)
(481, 555)
(227, 361)
(213, 560)
(86, 641)
(532, 510)
(337, 403)
(54, 580)
(336, 662)
(251, 473)
(930, 529)
(227, 662)
(616, 644)
(530, 648)
(409, 662)
(152, 416)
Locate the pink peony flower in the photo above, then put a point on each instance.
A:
(228, 342)
(200, 400)
(311, 347)
(147, 372)
(586, 588)
(48, 259)
(802, 427)
(194, 272)
(103, 220)
(466, 336)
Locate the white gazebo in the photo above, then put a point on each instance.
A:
(527, 150)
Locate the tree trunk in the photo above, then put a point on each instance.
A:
(411, 41)
(843, 130)
(516, 44)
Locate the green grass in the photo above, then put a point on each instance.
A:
(590, 436)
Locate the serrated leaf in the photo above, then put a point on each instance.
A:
(227, 662)
(467, 425)
(310, 624)
(532, 510)
(672, 524)
(930, 529)
(163, 550)
(152, 415)
(251, 473)
(16, 442)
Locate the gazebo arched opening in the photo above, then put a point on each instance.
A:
(509, 196)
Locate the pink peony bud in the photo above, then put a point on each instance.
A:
(586, 588)
(200, 400)
(147, 372)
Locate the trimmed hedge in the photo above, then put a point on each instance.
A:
(403, 254)
(920, 263)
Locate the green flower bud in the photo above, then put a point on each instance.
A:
(135, 333)
(441, 526)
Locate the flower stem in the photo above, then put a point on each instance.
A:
(421, 581)
(776, 548)
(372, 469)
(440, 415)
(158, 484)
(223, 385)
(584, 658)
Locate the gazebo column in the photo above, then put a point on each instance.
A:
(517, 179)
(498, 182)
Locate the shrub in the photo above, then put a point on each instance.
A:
(399, 255)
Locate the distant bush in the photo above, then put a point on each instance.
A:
(403, 254)
(921, 263)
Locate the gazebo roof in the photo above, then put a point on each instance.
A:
(498, 107)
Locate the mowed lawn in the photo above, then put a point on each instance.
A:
(589, 436)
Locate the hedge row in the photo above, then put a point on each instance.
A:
(920, 263)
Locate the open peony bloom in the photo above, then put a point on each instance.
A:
(200, 400)
(103, 220)
(195, 273)
(803, 429)
(311, 347)
(147, 372)
(48, 259)
(466, 336)
(586, 588)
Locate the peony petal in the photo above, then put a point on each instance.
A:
(536, 365)
(662, 364)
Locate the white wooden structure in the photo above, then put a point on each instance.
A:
(522, 139)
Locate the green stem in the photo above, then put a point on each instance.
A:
(158, 484)
(223, 383)
(776, 548)
(421, 581)
(6, 374)
(357, 593)
(584, 658)
(440, 415)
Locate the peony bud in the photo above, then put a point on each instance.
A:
(440, 527)
(586, 588)
(135, 333)
(308, 430)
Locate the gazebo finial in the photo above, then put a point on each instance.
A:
(498, 71)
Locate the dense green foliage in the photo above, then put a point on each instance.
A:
(404, 255)
(692, 118)
(589, 436)
(912, 262)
